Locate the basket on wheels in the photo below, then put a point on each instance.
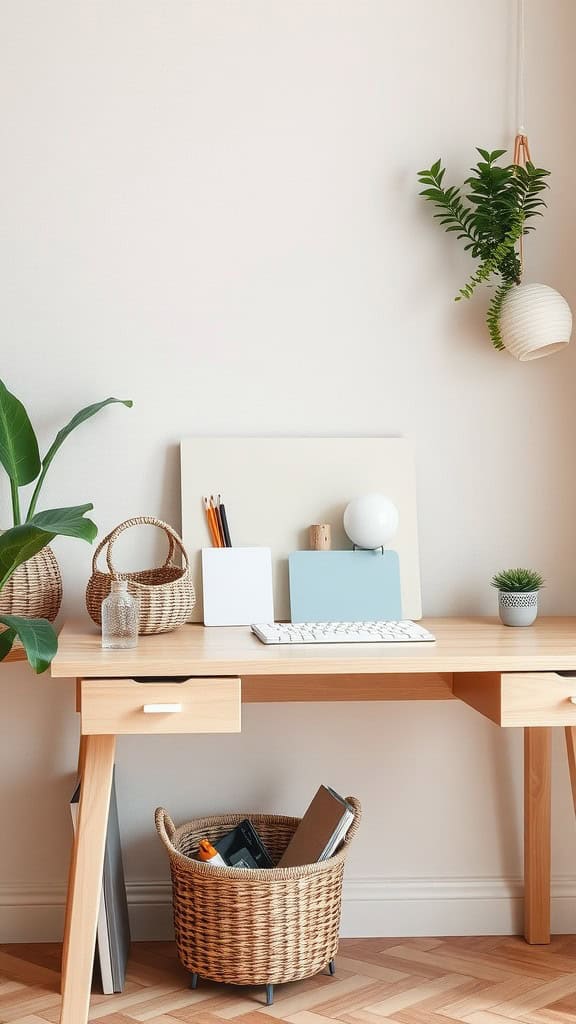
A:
(166, 594)
(259, 926)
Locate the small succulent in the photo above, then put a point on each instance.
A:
(517, 581)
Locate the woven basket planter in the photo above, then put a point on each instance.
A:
(253, 927)
(166, 594)
(35, 589)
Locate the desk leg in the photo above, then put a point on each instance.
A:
(537, 794)
(66, 943)
(86, 878)
(571, 751)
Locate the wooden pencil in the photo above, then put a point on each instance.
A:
(224, 520)
(210, 521)
(218, 522)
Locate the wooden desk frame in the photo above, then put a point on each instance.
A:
(509, 676)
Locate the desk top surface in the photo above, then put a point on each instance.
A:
(462, 645)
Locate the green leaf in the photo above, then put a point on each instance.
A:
(7, 638)
(19, 544)
(493, 314)
(433, 193)
(80, 417)
(67, 522)
(18, 444)
(38, 639)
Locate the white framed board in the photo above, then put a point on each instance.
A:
(275, 487)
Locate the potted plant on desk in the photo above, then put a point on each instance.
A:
(30, 584)
(518, 595)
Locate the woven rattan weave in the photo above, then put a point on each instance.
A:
(166, 594)
(35, 588)
(253, 927)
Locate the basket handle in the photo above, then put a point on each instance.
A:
(173, 538)
(165, 827)
(353, 830)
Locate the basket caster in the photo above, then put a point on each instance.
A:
(194, 980)
(269, 995)
(332, 967)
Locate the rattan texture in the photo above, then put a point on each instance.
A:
(253, 927)
(166, 594)
(35, 588)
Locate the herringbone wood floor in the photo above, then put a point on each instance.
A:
(408, 981)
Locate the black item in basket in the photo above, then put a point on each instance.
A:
(243, 848)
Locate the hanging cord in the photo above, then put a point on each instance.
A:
(521, 67)
(521, 147)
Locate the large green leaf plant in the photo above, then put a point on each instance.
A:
(490, 218)
(31, 531)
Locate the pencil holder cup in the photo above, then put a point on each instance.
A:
(237, 586)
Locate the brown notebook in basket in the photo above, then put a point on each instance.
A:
(321, 830)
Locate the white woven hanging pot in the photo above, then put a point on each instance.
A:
(535, 321)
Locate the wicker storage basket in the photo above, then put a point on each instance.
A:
(166, 594)
(253, 927)
(35, 588)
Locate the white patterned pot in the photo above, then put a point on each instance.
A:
(535, 321)
(518, 609)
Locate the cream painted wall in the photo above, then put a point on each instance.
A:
(211, 207)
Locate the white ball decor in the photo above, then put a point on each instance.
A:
(371, 521)
(535, 321)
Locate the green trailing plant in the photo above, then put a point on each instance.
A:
(20, 457)
(490, 213)
(517, 581)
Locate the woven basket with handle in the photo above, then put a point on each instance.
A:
(253, 927)
(166, 594)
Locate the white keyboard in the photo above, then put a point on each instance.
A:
(405, 631)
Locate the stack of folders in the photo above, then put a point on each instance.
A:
(321, 831)
(113, 934)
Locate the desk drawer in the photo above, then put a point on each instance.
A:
(537, 698)
(519, 698)
(127, 706)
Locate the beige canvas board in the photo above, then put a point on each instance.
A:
(274, 488)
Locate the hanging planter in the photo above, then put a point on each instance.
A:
(535, 321)
(529, 320)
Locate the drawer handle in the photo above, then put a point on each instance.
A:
(161, 709)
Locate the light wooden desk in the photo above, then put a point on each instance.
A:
(508, 675)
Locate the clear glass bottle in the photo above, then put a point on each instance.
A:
(120, 615)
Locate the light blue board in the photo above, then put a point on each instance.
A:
(344, 586)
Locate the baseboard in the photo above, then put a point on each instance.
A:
(372, 906)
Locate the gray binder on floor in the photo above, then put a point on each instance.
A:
(113, 934)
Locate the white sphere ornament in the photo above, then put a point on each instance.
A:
(535, 321)
(371, 521)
